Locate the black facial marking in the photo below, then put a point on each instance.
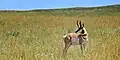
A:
(78, 29)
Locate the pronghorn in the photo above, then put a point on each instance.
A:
(79, 37)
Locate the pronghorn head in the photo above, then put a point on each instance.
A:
(81, 28)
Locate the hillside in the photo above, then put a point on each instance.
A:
(110, 8)
(81, 11)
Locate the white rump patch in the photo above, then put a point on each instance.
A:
(64, 36)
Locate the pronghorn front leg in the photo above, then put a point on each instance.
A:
(67, 45)
(85, 46)
(81, 46)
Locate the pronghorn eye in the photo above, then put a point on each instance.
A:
(83, 32)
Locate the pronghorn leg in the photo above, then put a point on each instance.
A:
(67, 45)
(85, 46)
(81, 46)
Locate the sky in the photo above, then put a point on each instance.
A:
(50, 4)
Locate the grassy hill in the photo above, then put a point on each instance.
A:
(82, 11)
(99, 8)
(37, 34)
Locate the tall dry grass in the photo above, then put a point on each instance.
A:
(30, 36)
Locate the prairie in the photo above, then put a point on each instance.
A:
(38, 36)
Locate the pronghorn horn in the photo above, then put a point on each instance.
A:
(77, 24)
(83, 24)
(80, 24)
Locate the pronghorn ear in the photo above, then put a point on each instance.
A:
(83, 25)
(77, 24)
(80, 24)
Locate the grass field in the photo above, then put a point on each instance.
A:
(38, 36)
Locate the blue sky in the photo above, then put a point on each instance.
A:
(44, 4)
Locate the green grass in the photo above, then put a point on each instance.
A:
(38, 36)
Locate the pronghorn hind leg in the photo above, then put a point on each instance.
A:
(67, 45)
